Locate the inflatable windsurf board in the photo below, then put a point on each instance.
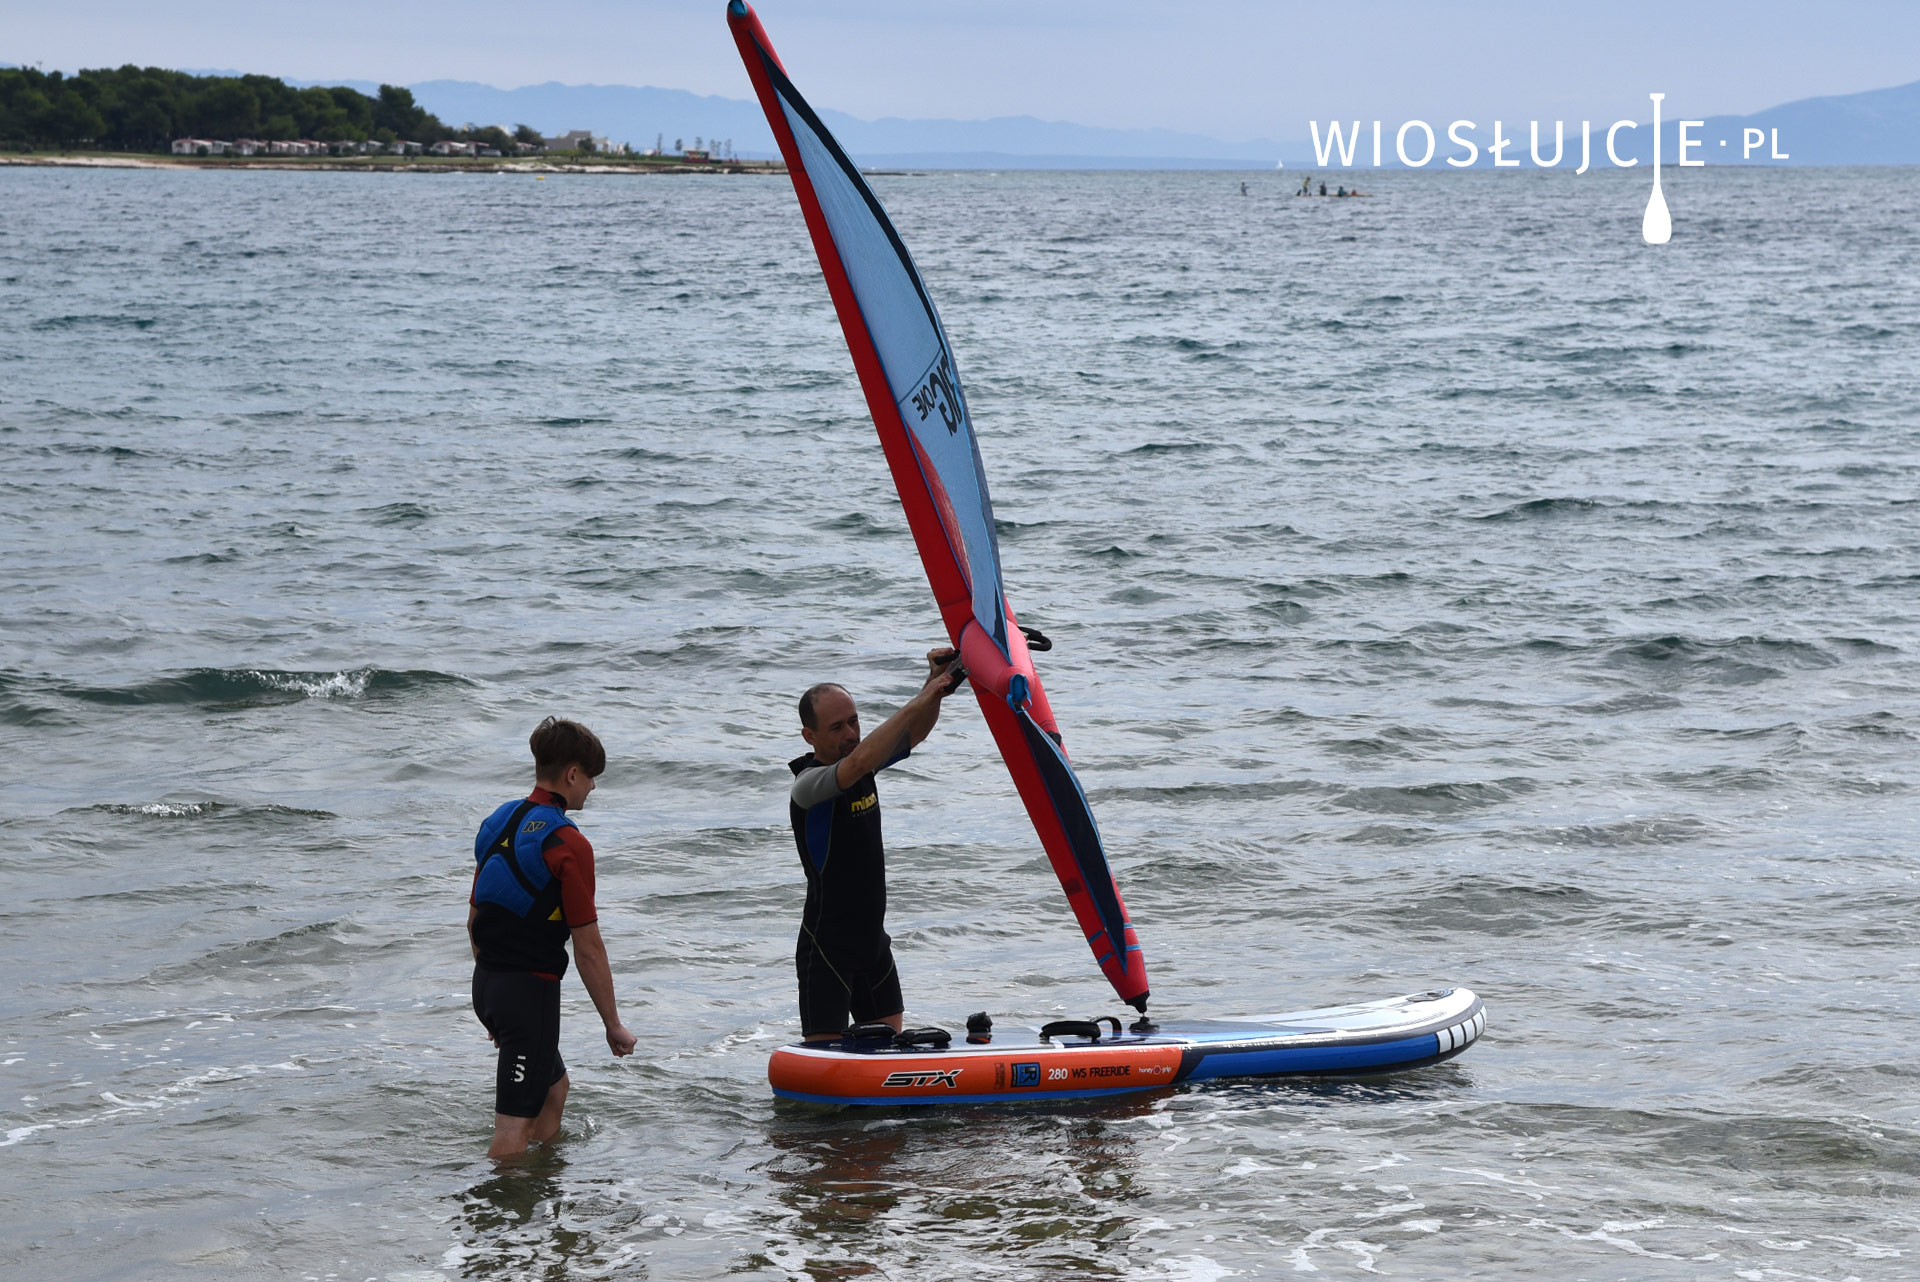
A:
(1086, 1059)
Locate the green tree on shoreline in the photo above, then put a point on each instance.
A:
(144, 108)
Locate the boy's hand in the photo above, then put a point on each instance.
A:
(620, 1041)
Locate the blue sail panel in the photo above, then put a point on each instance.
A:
(914, 354)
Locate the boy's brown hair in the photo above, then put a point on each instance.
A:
(558, 744)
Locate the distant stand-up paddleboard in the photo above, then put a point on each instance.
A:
(912, 384)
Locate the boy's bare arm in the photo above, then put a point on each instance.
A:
(590, 955)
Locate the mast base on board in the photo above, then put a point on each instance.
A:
(1384, 1036)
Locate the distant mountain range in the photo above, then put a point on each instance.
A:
(641, 115)
(1879, 127)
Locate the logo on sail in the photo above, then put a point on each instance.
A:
(936, 392)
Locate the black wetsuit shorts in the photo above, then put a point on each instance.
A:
(521, 1012)
(835, 992)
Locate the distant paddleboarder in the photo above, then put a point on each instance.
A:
(532, 892)
(844, 958)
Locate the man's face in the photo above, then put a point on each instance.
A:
(839, 726)
(574, 786)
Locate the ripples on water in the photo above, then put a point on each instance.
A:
(1448, 588)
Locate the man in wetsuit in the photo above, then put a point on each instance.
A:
(844, 958)
(532, 892)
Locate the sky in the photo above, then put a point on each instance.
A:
(1232, 69)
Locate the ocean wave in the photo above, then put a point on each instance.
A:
(204, 558)
(1173, 447)
(1737, 661)
(1434, 798)
(1007, 528)
(1189, 793)
(1503, 907)
(199, 810)
(1656, 830)
(18, 710)
(314, 943)
(397, 513)
(1536, 508)
(79, 320)
(254, 687)
(858, 525)
(104, 451)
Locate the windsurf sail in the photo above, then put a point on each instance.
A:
(912, 386)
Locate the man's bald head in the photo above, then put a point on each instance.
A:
(810, 703)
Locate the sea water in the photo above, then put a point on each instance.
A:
(1447, 588)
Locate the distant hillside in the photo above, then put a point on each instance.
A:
(1879, 127)
(136, 109)
(639, 115)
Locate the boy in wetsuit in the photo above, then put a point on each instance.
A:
(532, 892)
(844, 958)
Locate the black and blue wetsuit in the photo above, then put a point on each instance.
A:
(844, 958)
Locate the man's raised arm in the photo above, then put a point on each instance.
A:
(905, 728)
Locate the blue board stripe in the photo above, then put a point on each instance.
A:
(1269, 1061)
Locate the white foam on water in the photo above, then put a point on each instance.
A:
(350, 684)
(121, 1106)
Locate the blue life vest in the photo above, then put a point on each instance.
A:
(518, 922)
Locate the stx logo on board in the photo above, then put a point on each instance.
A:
(949, 1079)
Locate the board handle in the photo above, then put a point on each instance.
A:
(875, 1032)
(1087, 1028)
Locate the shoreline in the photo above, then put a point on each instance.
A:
(382, 165)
